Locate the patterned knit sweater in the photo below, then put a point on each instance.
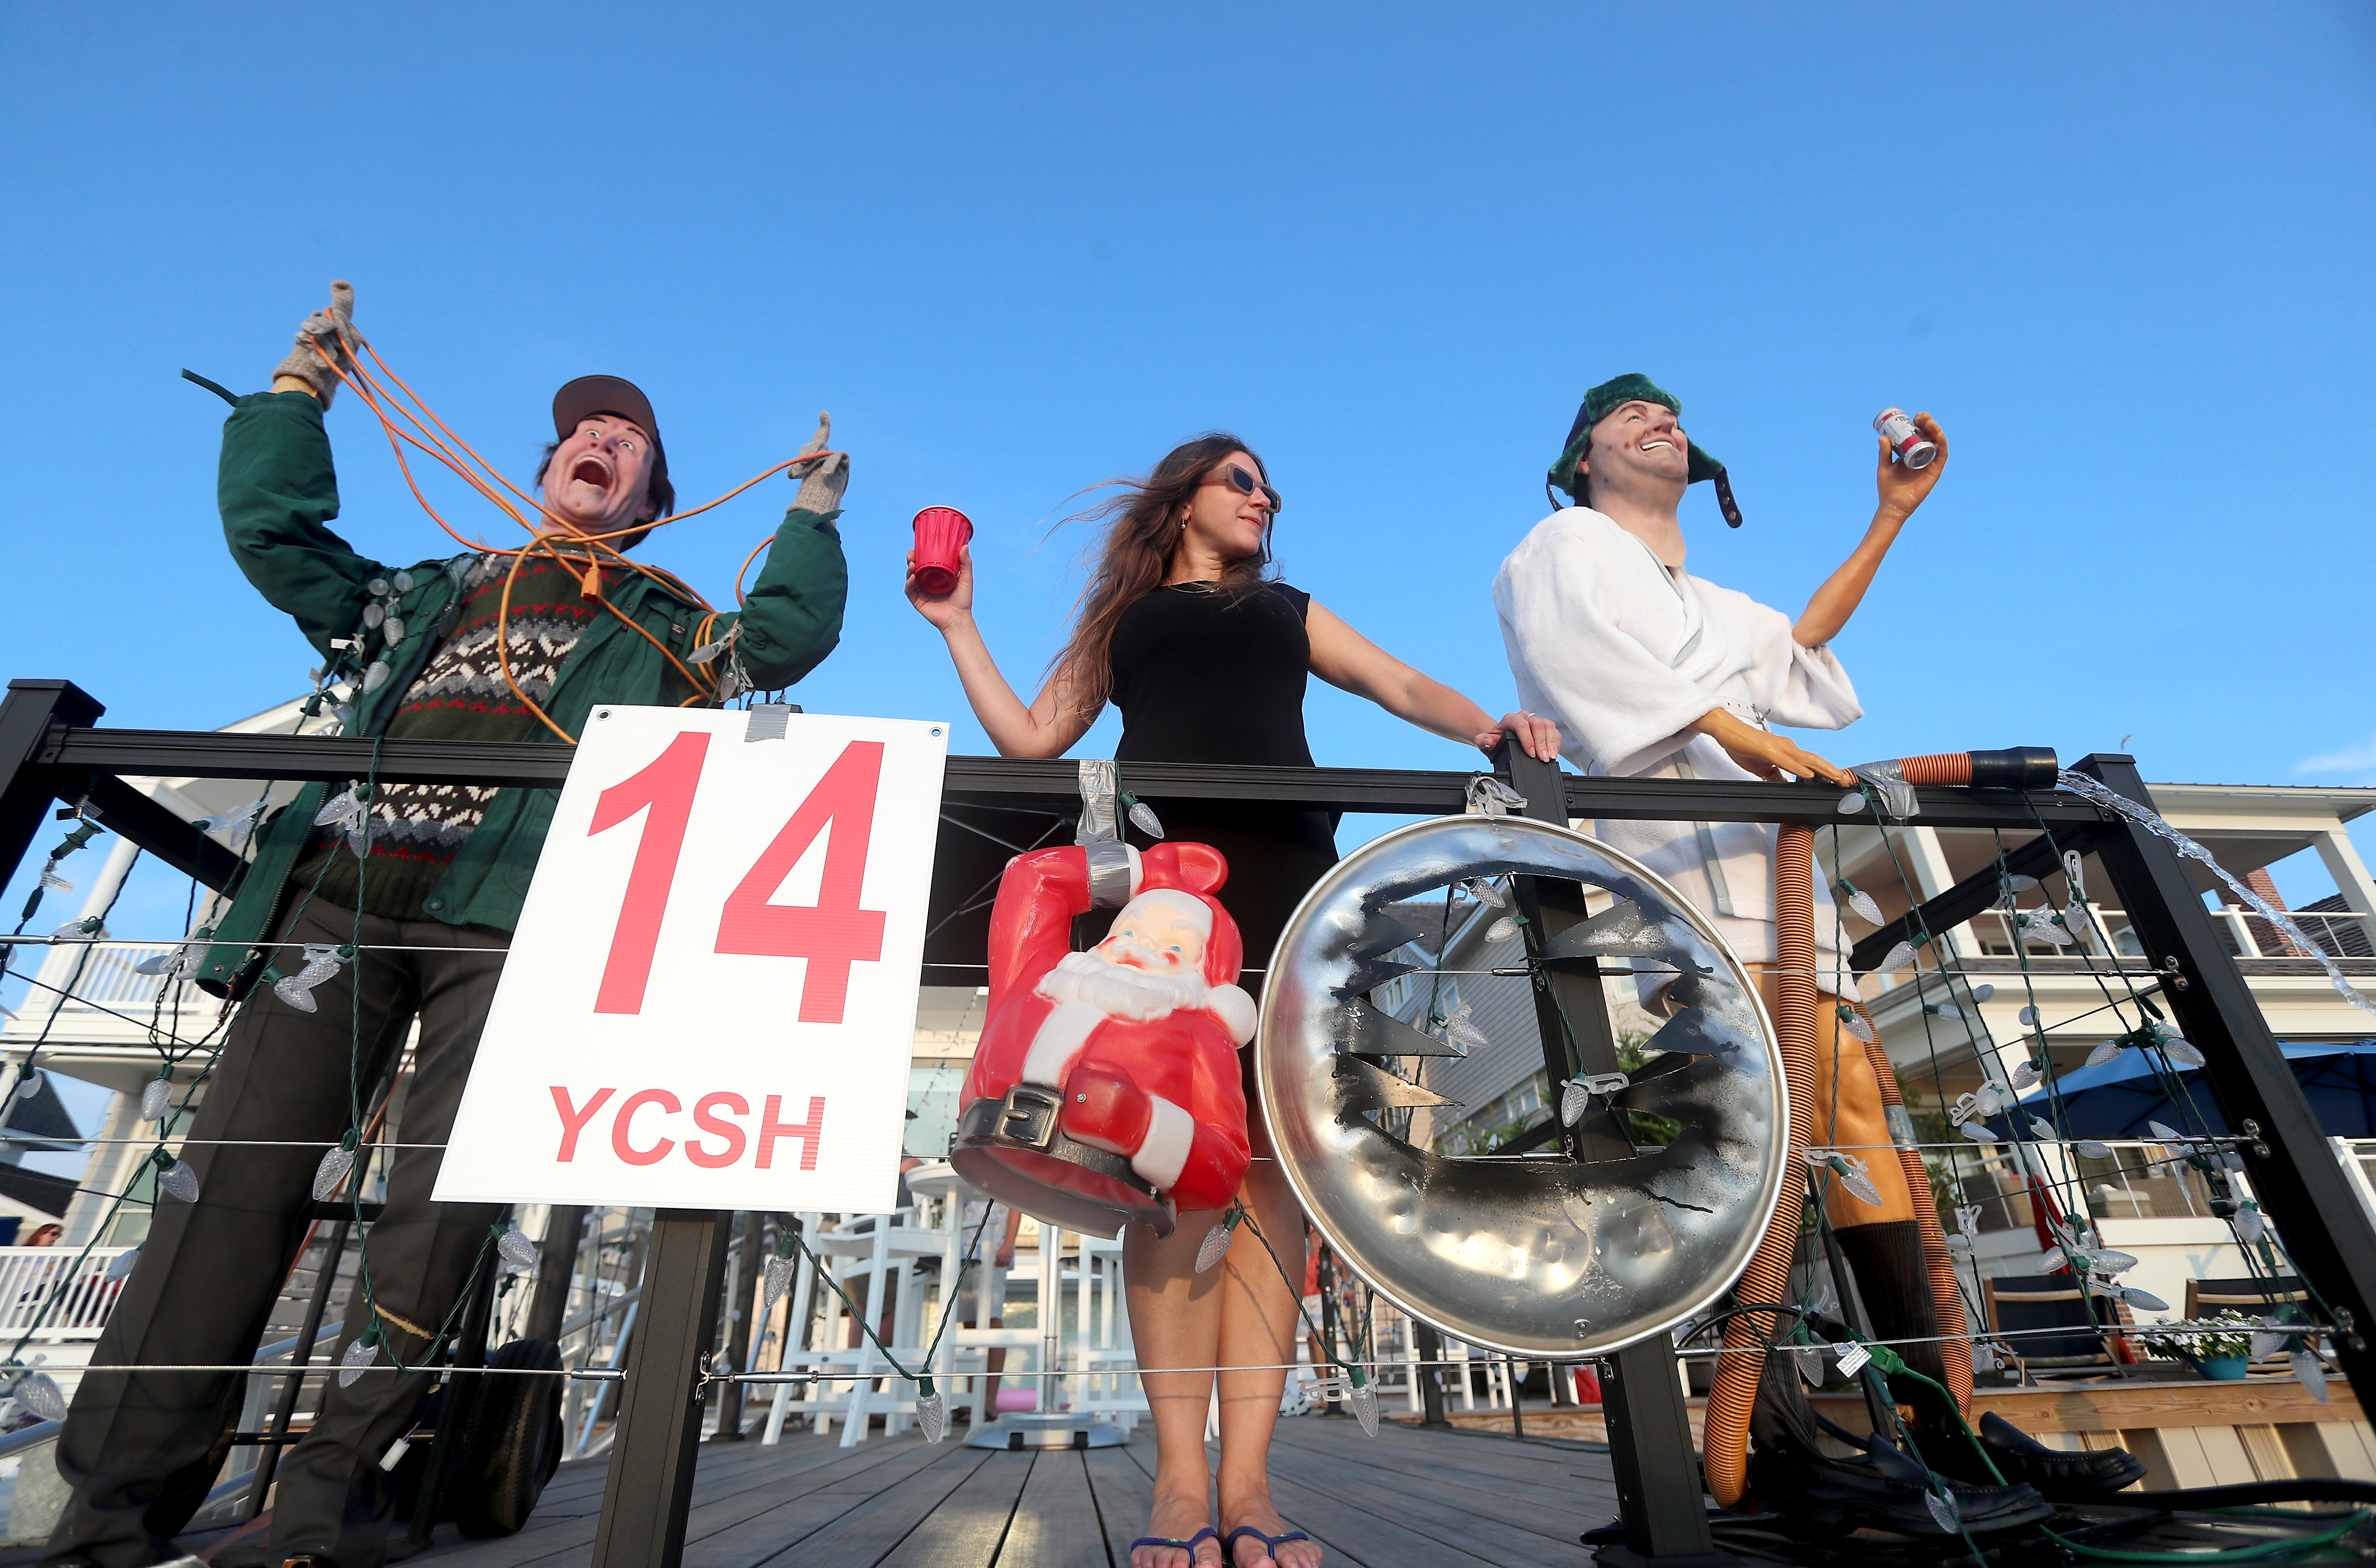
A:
(417, 829)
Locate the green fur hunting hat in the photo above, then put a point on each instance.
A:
(1632, 388)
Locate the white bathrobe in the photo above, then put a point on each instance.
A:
(1624, 655)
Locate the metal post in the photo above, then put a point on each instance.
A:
(1657, 1471)
(2297, 1178)
(32, 711)
(739, 1308)
(1429, 1345)
(556, 1271)
(649, 1489)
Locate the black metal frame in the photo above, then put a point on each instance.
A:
(50, 752)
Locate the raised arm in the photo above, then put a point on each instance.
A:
(1902, 490)
(1344, 658)
(1052, 721)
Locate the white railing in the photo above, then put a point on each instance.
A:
(47, 1291)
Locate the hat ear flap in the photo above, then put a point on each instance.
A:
(1724, 499)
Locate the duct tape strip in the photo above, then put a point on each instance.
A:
(769, 720)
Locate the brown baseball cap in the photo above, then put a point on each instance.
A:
(602, 395)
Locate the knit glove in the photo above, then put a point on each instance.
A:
(319, 342)
(822, 482)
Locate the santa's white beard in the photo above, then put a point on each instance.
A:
(1118, 990)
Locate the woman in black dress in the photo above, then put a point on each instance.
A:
(1207, 661)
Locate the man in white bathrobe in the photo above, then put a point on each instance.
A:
(1652, 672)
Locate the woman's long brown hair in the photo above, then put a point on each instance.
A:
(1141, 543)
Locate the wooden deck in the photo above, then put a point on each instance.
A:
(1406, 1497)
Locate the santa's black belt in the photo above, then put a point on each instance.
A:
(1026, 1118)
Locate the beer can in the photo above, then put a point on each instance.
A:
(1904, 440)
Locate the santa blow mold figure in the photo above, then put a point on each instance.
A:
(1105, 1090)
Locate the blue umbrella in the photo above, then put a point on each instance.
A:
(2116, 1098)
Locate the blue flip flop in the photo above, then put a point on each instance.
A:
(1188, 1546)
(1271, 1543)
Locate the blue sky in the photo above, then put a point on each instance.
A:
(2119, 250)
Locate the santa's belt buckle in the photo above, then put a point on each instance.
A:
(1027, 1114)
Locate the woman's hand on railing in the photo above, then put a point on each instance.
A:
(1536, 736)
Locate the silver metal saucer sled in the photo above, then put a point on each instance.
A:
(1534, 1256)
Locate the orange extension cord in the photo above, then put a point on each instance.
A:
(1767, 1278)
(547, 542)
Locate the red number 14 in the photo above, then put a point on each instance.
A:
(831, 933)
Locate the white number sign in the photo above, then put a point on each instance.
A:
(710, 1000)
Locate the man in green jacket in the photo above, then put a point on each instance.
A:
(406, 901)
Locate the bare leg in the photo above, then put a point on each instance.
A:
(1257, 1330)
(1175, 1320)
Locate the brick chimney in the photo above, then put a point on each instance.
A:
(2273, 942)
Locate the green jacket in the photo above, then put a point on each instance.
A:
(278, 491)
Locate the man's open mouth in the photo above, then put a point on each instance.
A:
(590, 471)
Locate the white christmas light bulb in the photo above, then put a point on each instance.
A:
(1851, 804)
(2166, 1133)
(1960, 1245)
(322, 961)
(1860, 903)
(2028, 1016)
(2180, 1051)
(2267, 1341)
(1501, 929)
(1215, 1246)
(1365, 1407)
(372, 615)
(1988, 1100)
(1982, 992)
(1898, 957)
(933, 1416)
(403, 581)
(331, 1172)
(2145, 1301)
(1977, 1131)
(2310, 1372)
(1460, 1031)
(121, 1267)
(374, 676)
(1853, 1022)
(359, 1357)
(57, 883)
(2106, 1050)
(2091, 1149)
(780, 1279)
(515, 1247)
(350, 813)
(2250, 1222)
(1485, 890)
(2024, 1076)
(2109, 1260)
(40, 1396)
(2052, 1260)
(1573, 1098)
(1143, 817)
(178, 1181)
(1857, 1179)
(2041, 1129)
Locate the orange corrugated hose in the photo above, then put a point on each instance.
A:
(1767, 1278)
(1946, 1295)
(1939, 767)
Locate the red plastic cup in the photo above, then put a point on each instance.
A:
(941, 533)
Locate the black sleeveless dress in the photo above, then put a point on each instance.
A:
(1202, 675)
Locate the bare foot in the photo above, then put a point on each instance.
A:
(1178, 1516)
(1247, 1551)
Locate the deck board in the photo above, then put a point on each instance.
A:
(966, 1529)
(1057, 1523)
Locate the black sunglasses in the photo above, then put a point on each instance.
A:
(1245, 483)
